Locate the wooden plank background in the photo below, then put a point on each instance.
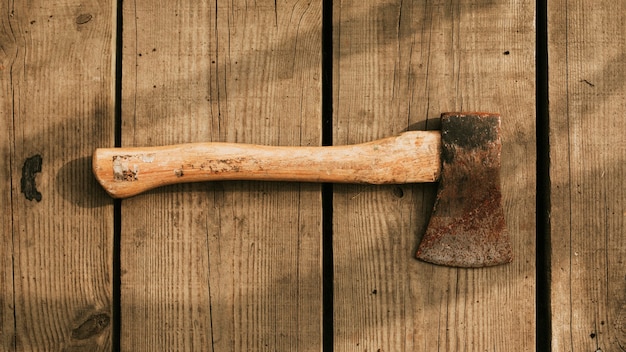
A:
(9, 48)
(226, 265)
(587, 103)
(57, 106)
(398, 65)
(238, 265)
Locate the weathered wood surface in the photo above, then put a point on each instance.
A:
(56, 101)
(410, 157)
(224, 265)
(9, 47)
(236, 265)
(398, 65)
(588, 169)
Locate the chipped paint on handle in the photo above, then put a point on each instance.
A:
(407, 158)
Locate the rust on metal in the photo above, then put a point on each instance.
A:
(467, 226)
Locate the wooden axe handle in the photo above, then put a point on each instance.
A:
(407, 158)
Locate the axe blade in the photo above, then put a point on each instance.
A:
(467, 226)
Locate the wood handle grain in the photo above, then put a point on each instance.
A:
(407, 158)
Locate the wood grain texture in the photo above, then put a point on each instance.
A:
(57, 106)
(222, 265)
(588, 212)
(398, 65)
(407, 158)
(7, 55)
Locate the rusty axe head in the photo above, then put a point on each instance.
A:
(467, 227)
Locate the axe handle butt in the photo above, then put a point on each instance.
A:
(407, 158)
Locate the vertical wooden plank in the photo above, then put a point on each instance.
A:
(398, 65)
(225, 265)
(587, 104)
(7, 322)
(57, 103)
(7, 54)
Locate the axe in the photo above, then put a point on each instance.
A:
(466, 227)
